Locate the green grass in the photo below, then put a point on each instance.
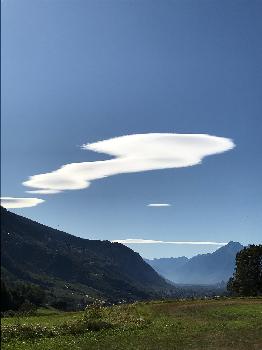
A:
(43, 318)
(229, 324)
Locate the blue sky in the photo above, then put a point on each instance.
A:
(77, 72)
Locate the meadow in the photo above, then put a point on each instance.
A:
(184, 324)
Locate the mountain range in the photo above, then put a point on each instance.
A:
(212, 268)
(74, 268)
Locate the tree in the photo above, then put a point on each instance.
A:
(6, 297)
(16, 295)
(247, 278)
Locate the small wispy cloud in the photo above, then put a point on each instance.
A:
(131, 154)
(13, 202)
(151, 241)
(159, 205)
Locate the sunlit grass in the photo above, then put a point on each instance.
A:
(212, 324)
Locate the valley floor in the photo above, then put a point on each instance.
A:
(228, 324)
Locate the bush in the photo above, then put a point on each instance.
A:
(82, 326)
(94, 311)
(27, 308)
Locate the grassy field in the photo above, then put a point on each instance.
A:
(234, 324)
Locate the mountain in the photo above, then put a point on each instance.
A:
(165, 266)
(70, 267)
(209, 268)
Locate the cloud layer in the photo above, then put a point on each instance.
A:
(12, 202)
(131, 154)
(159, 205)
(151, 241)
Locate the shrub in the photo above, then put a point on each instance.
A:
(95, 311)
(82, 326)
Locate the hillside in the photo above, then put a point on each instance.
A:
(209, 268)
(70, 267)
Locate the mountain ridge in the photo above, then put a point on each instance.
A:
(210, 268)
(53, 259)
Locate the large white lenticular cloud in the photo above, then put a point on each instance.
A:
(13, 202)
(132, 153)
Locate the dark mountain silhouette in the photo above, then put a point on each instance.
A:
(73, 267)
(209, 268)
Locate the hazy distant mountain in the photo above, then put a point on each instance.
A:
(70, 266)
(209, 268)
(167, 266)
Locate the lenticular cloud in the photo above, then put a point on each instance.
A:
(159, 205)
(152, 241)
(132, 153)
(13, 202)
